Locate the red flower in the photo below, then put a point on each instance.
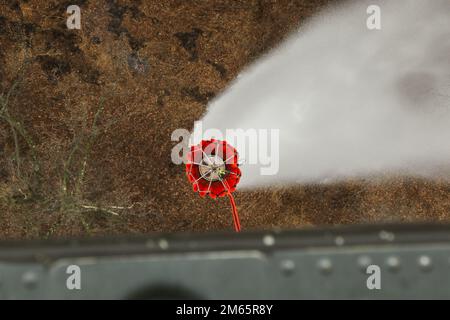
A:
(212, 168)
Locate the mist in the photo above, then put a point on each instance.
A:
(348, 101)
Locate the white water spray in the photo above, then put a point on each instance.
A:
(349, 101)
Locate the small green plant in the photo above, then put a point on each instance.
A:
(81, 146)
(20, 135)
(68, 204)
(75, 165)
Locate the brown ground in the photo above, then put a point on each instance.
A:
(154, 64)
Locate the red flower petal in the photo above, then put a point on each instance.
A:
(215, 188)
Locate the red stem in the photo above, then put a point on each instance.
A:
(237, 224)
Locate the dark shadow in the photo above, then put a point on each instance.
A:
(163, 292)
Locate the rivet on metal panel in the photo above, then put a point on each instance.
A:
(386, 236)
(393, 263)
(364, 262)
(287, 267)
(425, 263)
(163, 244)
(325, 266)
(339, 241)
(30, 279)
(268, 240)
